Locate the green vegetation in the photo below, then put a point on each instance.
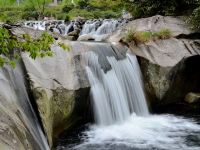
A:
(194, 19)
(37, 9)
(146, 8)
(89, 9)
(11, 46)
(146, 36)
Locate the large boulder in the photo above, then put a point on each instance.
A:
(60, 88)
(19, 128)
(175, 24)
(165, 64)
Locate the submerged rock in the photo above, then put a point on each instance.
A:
(192, 97)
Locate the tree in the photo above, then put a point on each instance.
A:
(56, 2)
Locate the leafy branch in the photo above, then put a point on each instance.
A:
(11, 46)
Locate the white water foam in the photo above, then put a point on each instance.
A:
(158, 132)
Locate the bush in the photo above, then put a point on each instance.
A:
(61, 16)
(29, 15)
(145, 8)
(67, 8)
(83, 4)
(10, 16)
(194, 19)
(67, 18)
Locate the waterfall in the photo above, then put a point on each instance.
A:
(117, 93)
(100, 27)
(14, 100)
(90, 27)
(122, 120)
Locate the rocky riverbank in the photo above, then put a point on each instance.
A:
(58, 87)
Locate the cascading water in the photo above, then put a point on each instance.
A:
(98, 28)
(118, 92)
(13, 92)
(101, 27)
(122, 120)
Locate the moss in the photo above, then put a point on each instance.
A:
(45, 110)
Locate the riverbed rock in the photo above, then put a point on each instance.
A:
(60, 88)
(176, 25)
(192, 97)
(74, 33)
(86, 37)
(70, 38)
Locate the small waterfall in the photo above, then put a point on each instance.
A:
(68, 28)
(90, 27)
(108, 26)
(100, 27)
(117, 93)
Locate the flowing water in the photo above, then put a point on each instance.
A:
(118, 92)
(122, 119)
(13, 92)
(97, 28)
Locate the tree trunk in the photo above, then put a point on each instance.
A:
(18, 1)
(56, 2)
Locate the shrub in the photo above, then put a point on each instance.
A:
(60, 16)
(27, 15)
(82, 4)
(67, 8)
(145, 8)
(194, 19)
(67, 18)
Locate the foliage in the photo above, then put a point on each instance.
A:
(194, 19)
(10, 46)
(89, 9)
(164, 34)
(37, 5)
(67, 8)
(83, 4)
(143, 8)
(146, 36)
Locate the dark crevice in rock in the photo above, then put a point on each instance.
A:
(193, 36)
(185, 79)
(82, 114)
(186, 46)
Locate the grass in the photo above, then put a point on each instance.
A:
(146, 36)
